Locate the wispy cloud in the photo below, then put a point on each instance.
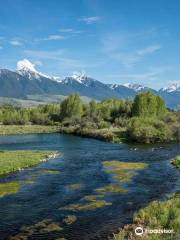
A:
(53, 37)
(150, 78)
(124, 47)
(41, 55)
(15, 42)
(147, 76)
(89, 20)
(149, 49)
(61, 60)
(131, 58)
(69, 30)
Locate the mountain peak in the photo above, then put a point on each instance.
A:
(26, 65)
(135, 86)
(27, 68)
(79, 76)
(172, 88)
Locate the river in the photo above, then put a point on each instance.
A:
(43, 195)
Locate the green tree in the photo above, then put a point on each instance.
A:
(71, 107)
(147, 104)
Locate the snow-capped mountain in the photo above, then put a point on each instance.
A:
(172, 88)
(26, 81)
(135, 86)
(27, 69)
(80, 78)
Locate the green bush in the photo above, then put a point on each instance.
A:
(103, 124)
(148, 130)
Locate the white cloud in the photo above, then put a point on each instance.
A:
(70, 30)
(15, 42)
(147, 50)
(66, 30)
(90, 20)
(53, 37)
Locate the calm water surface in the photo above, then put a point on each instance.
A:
(82, 163)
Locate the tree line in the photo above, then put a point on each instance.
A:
(146, 118)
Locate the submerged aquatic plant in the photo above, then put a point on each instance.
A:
(69, 219)
(111, 188)
(45, 226)
(9, 188)
(122, 171)
(87, 206)
(74, 186)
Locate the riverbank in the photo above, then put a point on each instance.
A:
(25, 129)
(12, 161)
(157, 215)
(116, 135)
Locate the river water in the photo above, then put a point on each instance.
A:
(81, 163)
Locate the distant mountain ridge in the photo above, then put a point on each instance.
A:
(28, 81)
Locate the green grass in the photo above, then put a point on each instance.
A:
(25, 129)
(157, 215)
(11, 161)
(176, 162)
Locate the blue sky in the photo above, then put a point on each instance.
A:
(115, 41)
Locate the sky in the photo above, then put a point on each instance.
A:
(115, 41)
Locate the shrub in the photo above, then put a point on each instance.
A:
(103, 124)
(148, 130)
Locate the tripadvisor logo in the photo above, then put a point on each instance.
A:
(140, 231)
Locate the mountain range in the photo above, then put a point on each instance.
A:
(27, 82)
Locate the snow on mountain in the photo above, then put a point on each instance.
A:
(56, 79)
(136, 87)
(27, 69)
(80, 78)
(172, 88)
(28, 81)
(114, 86)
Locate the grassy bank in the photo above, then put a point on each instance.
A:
(11, 161)
(157, 215)
(24, 129)
(116, 135)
